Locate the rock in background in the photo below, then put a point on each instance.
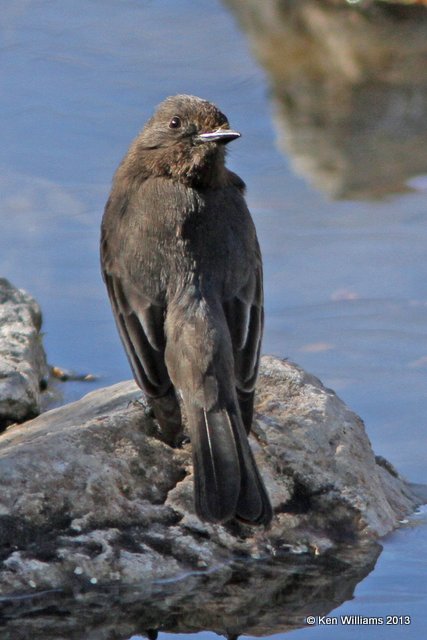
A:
(348, 83)
(23, 368)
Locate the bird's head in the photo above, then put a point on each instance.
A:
(184, 140)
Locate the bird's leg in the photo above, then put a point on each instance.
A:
(168, 414)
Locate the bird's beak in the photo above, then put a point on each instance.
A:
(220, 135)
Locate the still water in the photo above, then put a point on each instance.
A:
(334, 153)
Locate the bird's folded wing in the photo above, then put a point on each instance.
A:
(245, 318)
(140, 324)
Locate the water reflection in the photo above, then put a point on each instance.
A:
(255, 598)
(349, 86)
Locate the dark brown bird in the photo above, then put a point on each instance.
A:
(182, 265)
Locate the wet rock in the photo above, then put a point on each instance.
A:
(23, 366)
(258, 598)
(91, 495)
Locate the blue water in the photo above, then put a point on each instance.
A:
(346, 281)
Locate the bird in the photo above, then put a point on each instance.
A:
(183, 269)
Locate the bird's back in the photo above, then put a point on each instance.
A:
(170, 236)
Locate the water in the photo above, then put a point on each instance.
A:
(343, 242)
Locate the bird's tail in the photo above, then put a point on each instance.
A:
(227, 483)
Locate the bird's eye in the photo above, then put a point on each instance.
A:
(175, 123)
(222, 119)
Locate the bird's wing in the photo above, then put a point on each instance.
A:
(245, 319)
(140, 324)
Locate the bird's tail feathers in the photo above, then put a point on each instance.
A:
(253, 505)
(216, 464)
(227, 483)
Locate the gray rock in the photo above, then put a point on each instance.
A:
(22, 359)
(91, 495)
(253, 598)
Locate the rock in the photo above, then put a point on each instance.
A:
(23, 367)
(253, 598)
(338, 72)
(91, 495)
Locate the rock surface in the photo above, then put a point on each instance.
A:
(23, 367)
(338, 73)
(91, 495)
(252, 598)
